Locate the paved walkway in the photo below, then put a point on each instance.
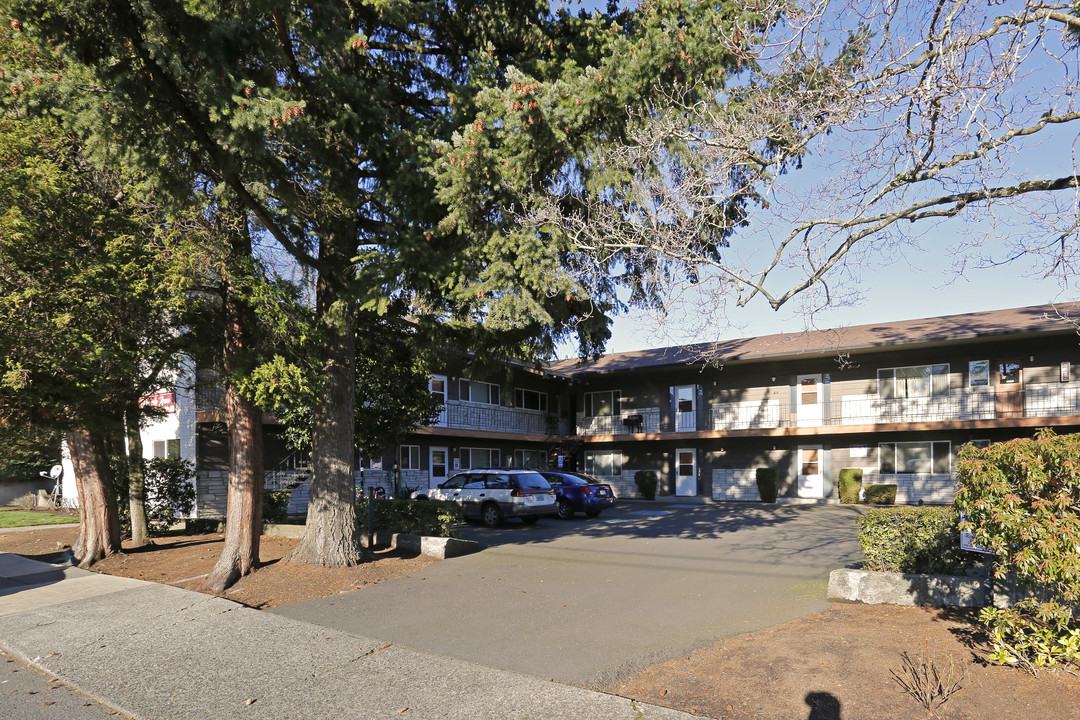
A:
(153, 651)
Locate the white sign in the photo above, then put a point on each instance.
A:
(967, 541)
(857, 451)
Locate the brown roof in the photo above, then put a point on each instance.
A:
(1037, 319)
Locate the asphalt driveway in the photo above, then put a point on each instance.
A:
(588, 601)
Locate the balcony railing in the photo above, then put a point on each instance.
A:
(641, 420)
(968, 404)
(478, 416)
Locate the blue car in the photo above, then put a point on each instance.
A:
(576, 492)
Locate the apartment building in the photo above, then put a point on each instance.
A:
(896, 399)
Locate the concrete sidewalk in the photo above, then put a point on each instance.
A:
(154, 651)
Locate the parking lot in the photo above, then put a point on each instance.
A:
(586, 601)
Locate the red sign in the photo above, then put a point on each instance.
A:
(164, 400)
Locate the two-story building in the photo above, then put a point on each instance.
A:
(895, 399)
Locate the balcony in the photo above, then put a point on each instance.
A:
(967, 404)
(496, 418)
(641, 420)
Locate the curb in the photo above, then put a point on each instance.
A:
(909, 589)
(439, 548)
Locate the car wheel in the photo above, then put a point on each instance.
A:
(491, 515)
(592, 513)
(565, 510)
(530, 519)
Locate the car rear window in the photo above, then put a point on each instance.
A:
(532, 481)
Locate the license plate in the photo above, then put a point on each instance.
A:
(537, 499)
(601, 493)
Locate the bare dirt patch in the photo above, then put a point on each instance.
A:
(185, 560)
(835, 665)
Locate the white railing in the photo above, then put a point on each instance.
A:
(641, 420)
(478, 416)
(744, 415)
(972, 404)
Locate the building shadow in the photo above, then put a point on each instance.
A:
(823, 706)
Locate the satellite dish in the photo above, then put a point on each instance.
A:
(54, 472)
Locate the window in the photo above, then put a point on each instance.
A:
(530, 399)
(603, 463)
(912, 382)
(1009, 373)
(479, 457)
(167, 448)
(437, 386)
(409, 457)
(479, 392)
(915, 457)
(979, 373)
(528, 459)
(602, 403)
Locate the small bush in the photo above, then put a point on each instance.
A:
(768, 483)
(276, 505)
(914, 540)
(646, 483)
(28, 501)
(1032, 635)
(881, 494)
(170, 494)
(435, 518)
(849, 484)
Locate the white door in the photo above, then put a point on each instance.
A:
(685, 410)
(437, 466)
(811, 483)
(808, 398)
(686, 472)
(437, 386)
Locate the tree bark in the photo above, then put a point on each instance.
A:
(243, 515)
(140, 534)
(331, 538)
(99, 526)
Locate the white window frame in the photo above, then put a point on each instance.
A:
(614, 399)
(613, 461)
(934, 449)
(409, 457)
(465, 458)
(465, 388)
(520, 459)
(168, 448)
(907, 378)
(540, 399)
(979, 373)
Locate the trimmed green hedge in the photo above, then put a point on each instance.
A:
(646, 483)
(880, 494)
(768, 483)
(914, 540)
(435, 518)
(849, 484)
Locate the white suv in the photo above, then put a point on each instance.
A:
(492, 494)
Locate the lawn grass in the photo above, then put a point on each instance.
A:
(13, 517)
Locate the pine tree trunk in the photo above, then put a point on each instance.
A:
(140, 535)
(99, 526)
(331, 538)
(243, 515)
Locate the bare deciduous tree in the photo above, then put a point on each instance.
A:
(855, 128)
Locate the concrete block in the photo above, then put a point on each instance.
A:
(881, 588)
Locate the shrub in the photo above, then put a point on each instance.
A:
(169, 491)
(850, 483)
(881, 494)
(646, 483)
(914, 540)
(276, 505)
(421, 517)
(29, 501)
(768, 483)
(1020, 502)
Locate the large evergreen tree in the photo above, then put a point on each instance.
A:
(335, 124)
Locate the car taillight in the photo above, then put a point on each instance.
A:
(587, 490)
(517, 492)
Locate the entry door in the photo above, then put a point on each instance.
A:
(437, 466)
(1008, 395)
(808, 399)
(686, 472)
(437, 386)
(685, 410)
(811, 483)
